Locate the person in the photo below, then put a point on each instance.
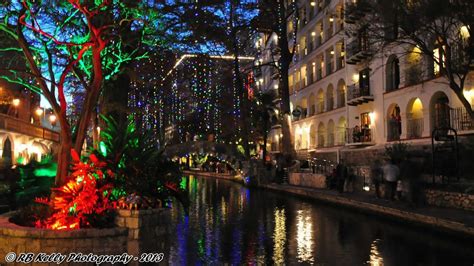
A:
(376, 176)
(356, 134)
(341, 175)
(390, 175)
(349, 180)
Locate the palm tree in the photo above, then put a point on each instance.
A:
(266, 115)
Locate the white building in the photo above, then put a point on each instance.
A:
(342, 98)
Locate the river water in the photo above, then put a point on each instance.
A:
(230, 224)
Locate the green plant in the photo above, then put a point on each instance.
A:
(397, 152)
(139, 165)
(35, 180)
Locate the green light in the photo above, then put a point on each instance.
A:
(103, 148)
(49, 172)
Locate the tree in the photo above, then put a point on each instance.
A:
(63, 44)
(265, 113)
(220, 27)
(439, 31)
(274, 17)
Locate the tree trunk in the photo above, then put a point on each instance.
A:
(464, 101)
(240, 86)
(265, 139)
(64, 154)
(286, 57)
(90, 102)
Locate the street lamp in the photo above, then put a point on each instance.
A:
(52, 119)
(16, 102)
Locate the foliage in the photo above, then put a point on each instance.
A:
(71, 47)
(397, 152)
(139, 165)
(35, 180)
(84, 201)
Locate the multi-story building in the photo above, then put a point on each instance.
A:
(343, 97)
(27, 131)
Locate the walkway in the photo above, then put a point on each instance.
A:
(449, 220)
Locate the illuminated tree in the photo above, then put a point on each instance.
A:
(71, 45)
(274, 18)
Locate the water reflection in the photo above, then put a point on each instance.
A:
(304, 236)
(375, 257)
(279, 236)
(230, 224)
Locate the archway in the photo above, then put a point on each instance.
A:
(331, 136)
(329, 98)
(321, 135)
(341, 131)
(394, 122)
(304, 107)
(312, 136)
(414, 118)
(320, 101)
(341, 93)
(439, 111)
(7, 154)
(312, 104)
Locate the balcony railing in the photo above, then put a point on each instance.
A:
(319, 74)
(358, 94)
(414, 128)
(329, 68)
(460, 119)
(358, 135)
(357, 50)
(15, 125)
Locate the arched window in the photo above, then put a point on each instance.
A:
(331, 136)
(321, 135)
(440, 111)
(341, 93)
(329, 98)
(392, 73)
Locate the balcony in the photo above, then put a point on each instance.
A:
(355, 11)
(358, 94)
(358, 50)
(18, 126)
(359, 136)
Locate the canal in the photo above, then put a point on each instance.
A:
(230, 224)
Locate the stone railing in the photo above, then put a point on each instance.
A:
(449, 199)
(19, 126)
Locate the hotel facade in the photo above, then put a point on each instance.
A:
(344, 97)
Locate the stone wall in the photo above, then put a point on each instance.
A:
(147, 230)
(19, 239)
(137, 232)
(449, 199)
(307, 180)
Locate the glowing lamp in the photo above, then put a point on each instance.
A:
(16, 102)
(52, 118)
(39, 111)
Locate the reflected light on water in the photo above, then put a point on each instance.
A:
(304, 237)
(375, 257)
(279, 236)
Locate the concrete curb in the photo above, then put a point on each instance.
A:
(436, 223)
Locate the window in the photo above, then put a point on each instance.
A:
(392, 73)
(439, 60)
